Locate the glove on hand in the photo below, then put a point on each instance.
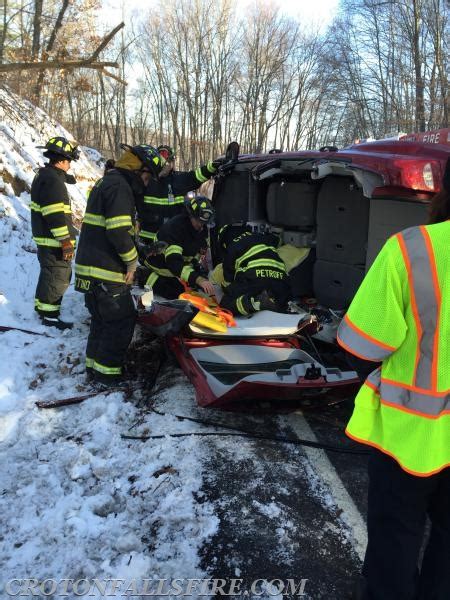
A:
(67, 248)
(218, 162)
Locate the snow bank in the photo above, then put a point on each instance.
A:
(76, 500)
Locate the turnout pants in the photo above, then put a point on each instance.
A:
(53, 281)
(112, 325)
(397, 510)
(239, 296)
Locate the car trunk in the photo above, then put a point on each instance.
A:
(328, 210)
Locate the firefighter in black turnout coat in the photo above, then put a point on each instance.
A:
(107, 258)
(186, 236)
(254, 275)
(52, 229)
(164, 197)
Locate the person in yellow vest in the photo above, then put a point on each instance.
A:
(401, 317)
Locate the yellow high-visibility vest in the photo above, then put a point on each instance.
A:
(401, 316)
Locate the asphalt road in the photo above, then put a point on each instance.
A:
(286, 511)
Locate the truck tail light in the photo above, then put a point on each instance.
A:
(424, 175)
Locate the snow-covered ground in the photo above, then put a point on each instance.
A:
(76, 500)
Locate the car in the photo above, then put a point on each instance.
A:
(342, 205)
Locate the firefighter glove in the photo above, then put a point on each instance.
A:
(218, 162)
(67, 249)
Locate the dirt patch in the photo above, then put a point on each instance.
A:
(18, 185)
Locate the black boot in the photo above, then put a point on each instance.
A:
(103, 383)
(56, 322)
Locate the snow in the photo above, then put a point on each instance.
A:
(76, 500)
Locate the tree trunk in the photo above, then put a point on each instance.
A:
(36, 29)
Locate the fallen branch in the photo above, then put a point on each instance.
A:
(106, 41)
(4, 328)
(90, 62)
(108, 74)
(75, 399)
(57, 64)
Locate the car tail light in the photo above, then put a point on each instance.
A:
(421, 175)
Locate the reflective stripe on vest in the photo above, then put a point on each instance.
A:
(368, 347)
(425, 302)
(421, 396)
(422, 402)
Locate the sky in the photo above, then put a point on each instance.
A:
(313, 11)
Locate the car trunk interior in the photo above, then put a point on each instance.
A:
(343, 228)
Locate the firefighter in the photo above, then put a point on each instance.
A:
(254, 276)
(186, 236)
(164, 197)
(53, 230)
(400, 317)
(106, 260)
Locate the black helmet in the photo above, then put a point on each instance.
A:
(201, 208)
(229, 231)
(167, 152)
(60, 146)
(148, 155)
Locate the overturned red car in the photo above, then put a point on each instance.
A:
(340, 204)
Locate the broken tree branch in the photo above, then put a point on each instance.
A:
(108, 74)
(56, 64)
(86, 63)
(106, 41)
